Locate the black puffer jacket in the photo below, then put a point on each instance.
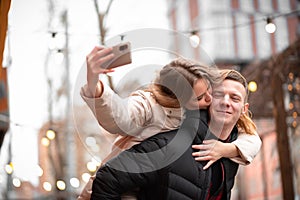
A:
(162, 167)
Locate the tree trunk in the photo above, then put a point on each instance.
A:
(282, 137)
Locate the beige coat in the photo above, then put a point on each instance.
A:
(138, 116)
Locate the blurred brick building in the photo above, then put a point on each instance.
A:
(232, 34)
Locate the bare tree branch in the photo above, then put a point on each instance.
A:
(101, 20)
(103, 28)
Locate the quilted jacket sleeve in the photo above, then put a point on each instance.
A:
(111, 183)
(133, 168)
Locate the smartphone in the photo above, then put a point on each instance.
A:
(122, 56)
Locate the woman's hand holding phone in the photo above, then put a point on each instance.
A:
(102, 60)
(95, 61)
(122, 56)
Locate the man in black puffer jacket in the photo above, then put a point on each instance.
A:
(162, 167)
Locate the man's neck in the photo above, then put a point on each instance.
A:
(222, 132)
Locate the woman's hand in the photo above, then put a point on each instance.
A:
(213, 150)
(95, 61)
(209, 150)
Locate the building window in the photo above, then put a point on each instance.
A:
(223, 40)
(263, 40)
(244, 41)
(265, 6)
(284, 6)
(246, 6)
(281, 35)
(182, 14)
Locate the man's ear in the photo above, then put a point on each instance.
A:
(245, 108)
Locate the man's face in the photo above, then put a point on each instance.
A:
(228, 103)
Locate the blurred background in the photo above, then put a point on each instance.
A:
(50, 142)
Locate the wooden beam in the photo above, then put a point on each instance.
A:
(283, 145)
(4, 8)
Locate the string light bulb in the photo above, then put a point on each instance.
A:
(252, 85)
(194, 39)
(270, 26)
(45, 141)
(122, 37)
(50, 134)
(56, 41)
(85, 177)
(52, 41)
(91, 166)
(47, 186)
(40, 171)
(59, 56)
(61, 185)
(16, 182)
(75, 182)
(290, 87)
(9, 168)
(291, 106)
(294, 124)
(295, 115)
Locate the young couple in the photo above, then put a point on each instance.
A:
(191, 128)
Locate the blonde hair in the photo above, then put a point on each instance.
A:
(245, 122)
(174, 85)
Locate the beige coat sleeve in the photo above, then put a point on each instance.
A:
(87, 190)
(126, 116)
(248, 147)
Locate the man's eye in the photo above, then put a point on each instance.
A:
(217, 95)
(236, 99)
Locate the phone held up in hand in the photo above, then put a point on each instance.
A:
(122, 56)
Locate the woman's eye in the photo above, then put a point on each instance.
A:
(199, 98)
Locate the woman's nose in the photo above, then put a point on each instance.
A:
(208, 97)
